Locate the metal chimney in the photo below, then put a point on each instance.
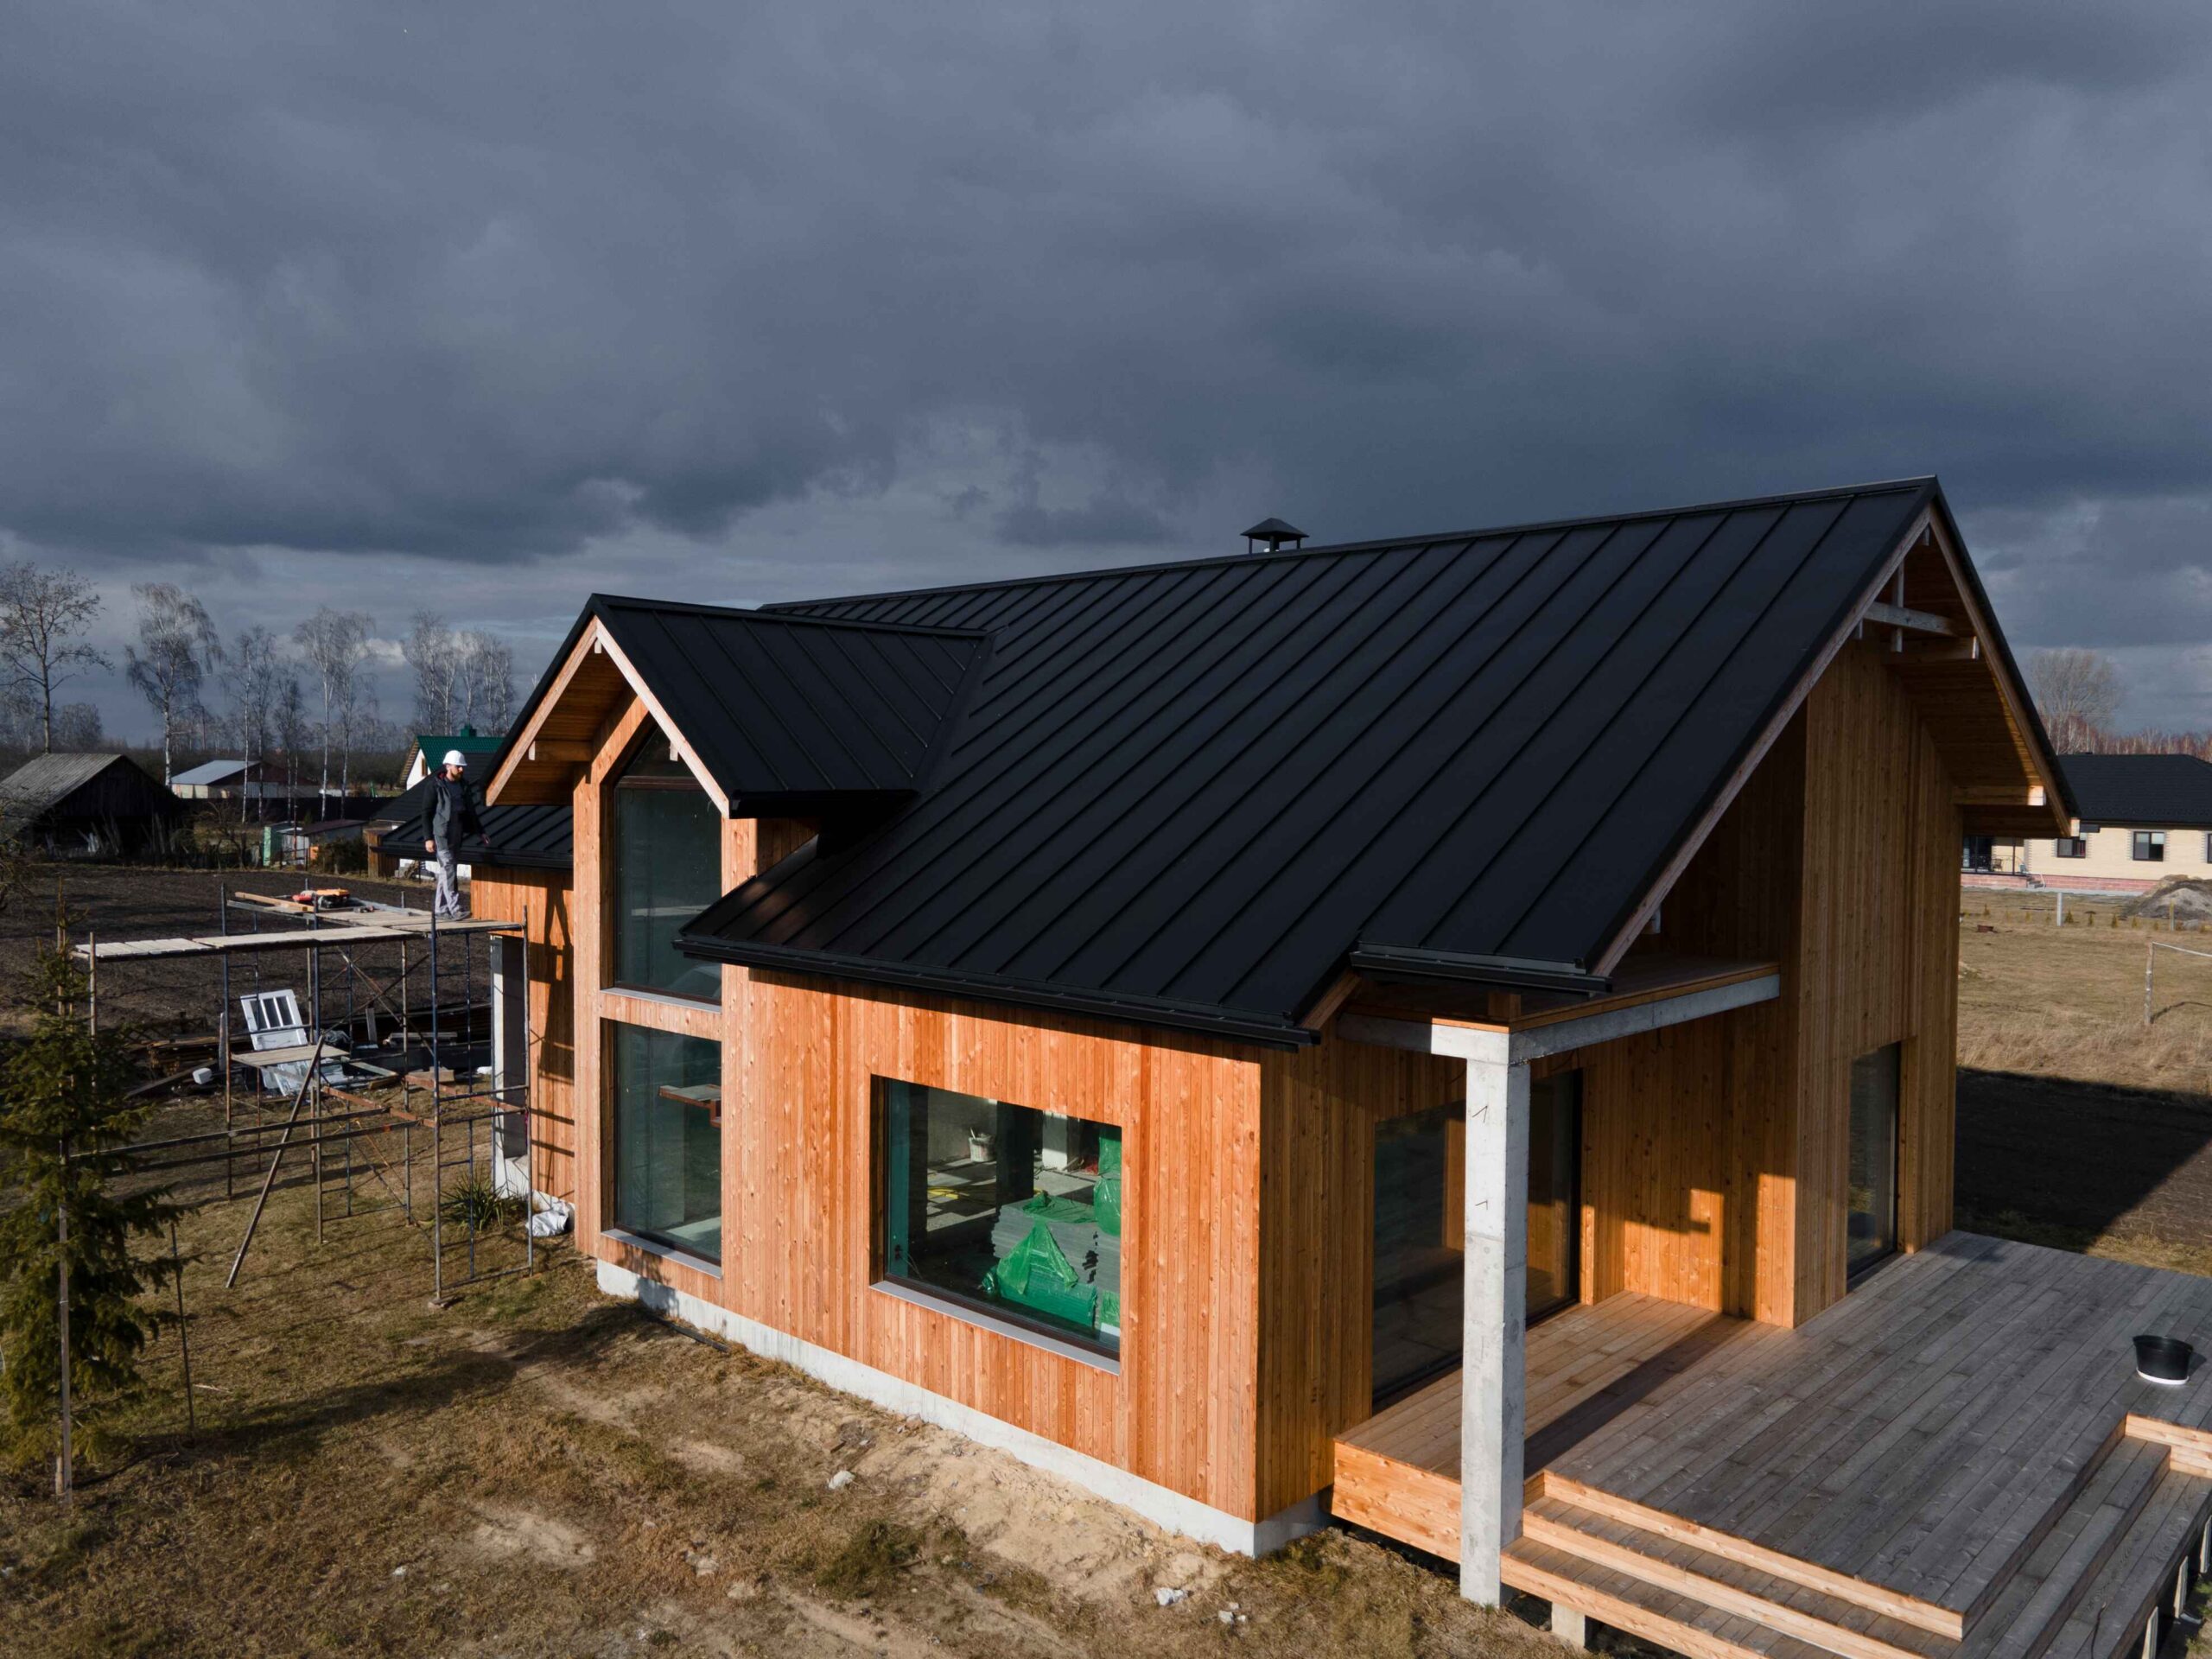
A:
(1275, 533)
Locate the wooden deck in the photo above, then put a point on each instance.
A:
(1957, 1460)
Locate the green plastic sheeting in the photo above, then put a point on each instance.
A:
(1057, 1208)
(1036, 1274)
(1106, 1196)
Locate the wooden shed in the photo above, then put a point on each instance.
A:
(88, 805)
(1454, 1033)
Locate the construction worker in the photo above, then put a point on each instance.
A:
(452, 819)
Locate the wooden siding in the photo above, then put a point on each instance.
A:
(541, 898)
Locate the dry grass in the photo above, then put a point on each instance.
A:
(2068, 1002)
(537, 1470)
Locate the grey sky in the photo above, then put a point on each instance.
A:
(488, 305)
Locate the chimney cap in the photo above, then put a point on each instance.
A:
(1274, 532)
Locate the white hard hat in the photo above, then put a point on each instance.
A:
(454, 757)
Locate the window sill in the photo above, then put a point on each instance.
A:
(664, 1252)
(665, 999)
(1004, 1327)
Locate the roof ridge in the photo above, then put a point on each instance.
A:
(767, 613)
(1382, 544)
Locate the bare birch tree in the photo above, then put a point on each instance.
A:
(250, 676)
(168, 666)
(289, 723)
(434, 654)
(335, 643)
(487, 681)
(2077, 693)
(43, 615)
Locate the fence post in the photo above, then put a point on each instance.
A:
(2150, 956)
(65, 1466)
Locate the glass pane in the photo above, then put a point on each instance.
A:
(667, 869)
(1006, 1208)
(1873, 1231)
(1554, 1196)
(1420, 1222)
(1420, 1264)
(668, 1139)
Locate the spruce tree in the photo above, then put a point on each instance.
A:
(67, 1120)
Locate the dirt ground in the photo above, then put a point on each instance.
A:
(538, 1469)
(2079, 1125)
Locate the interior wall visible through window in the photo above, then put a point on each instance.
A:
(667, 868)
(1872, 1232)
(667, 1103)
(1000, 1209)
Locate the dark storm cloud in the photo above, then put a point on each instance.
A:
(588, 283)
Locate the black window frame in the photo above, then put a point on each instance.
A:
(2070, 847)
(2147, 846)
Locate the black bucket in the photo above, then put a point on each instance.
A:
(2163, 1359)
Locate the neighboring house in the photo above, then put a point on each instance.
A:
(1454, 1032)
(2144, 819)
(96, 804)
(432, 747)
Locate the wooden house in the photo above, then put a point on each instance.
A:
(1454, 1033)
(88, 805)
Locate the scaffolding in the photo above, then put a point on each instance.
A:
(344, 1102)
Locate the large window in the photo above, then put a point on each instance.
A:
(1003, 1210)
(1873, 1222)
(2148, 846)
(667, 869)
(668, 1139)
(1420, 1227)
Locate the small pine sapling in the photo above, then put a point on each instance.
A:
(67, 1120)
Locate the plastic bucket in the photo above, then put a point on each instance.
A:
(2163, 1359)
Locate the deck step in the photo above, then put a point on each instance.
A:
(2096, 1525)
(1836, 1623)
(2107, 1618)
(1664, 1617)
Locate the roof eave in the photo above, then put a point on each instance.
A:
(1188, 1017)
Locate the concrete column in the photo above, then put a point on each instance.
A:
(1494, 1377)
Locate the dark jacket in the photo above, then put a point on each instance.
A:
(452, 814)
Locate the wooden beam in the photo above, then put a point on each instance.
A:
(1897, 616)
(554, 752)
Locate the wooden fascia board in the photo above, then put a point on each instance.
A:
(614, 654)
(2027, 729)
(517, 749)
(1641, 916)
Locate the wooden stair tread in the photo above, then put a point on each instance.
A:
(1681, 1623)
(2032, 1604)
(2108, 1618)
(1806, 1614)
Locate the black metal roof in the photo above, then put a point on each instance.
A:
(792, 713)
(524, 838)
(83, 786)
(2171, 791)
(1192, 793)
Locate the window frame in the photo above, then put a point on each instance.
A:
(1855, 1272)
(611, 930)
(2070, 847)
(996, 1317)
(2147, 846)
(609, 1091)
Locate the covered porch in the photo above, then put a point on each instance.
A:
(1959, 1459)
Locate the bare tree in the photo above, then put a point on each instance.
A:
(42, 615)
(2077, 693)
(289, 723)
(77, 727)
(487, 681)
(435, 655)
(176, 647)
(250, 676)
(335, 644)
